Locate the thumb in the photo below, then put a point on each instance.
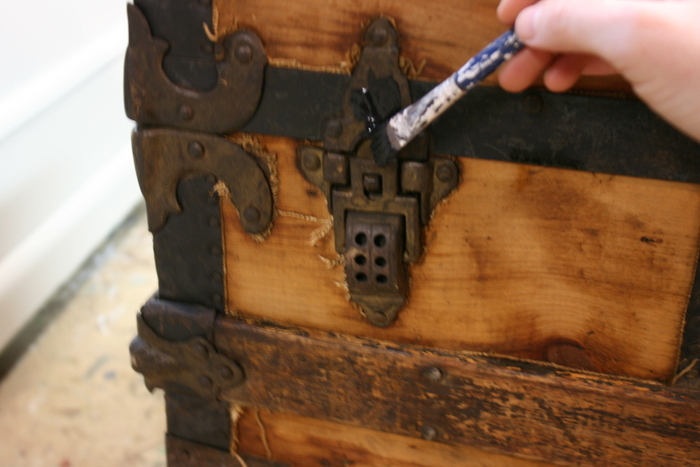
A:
(594, 27)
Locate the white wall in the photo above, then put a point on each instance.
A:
(66, 172)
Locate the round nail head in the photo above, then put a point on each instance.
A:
(433, 374)
(244, 53)
(226, 372)
(185, 112)
(445, 173)
(378, 318)
(311, 161)
(429, 433)
(205, 382)
(195, 149)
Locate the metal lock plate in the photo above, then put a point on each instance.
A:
(374, 266)
(379, 212)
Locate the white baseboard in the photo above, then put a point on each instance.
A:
(37, 267)
(68, 178)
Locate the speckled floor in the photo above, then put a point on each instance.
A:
(73, 399)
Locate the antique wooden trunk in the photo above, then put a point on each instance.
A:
(517, 289)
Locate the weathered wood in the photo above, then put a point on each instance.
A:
(302, 441)
(436, 37)
(495, 405)
(574, 268)
(183, 453)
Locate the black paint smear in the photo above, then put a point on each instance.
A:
(377, 102)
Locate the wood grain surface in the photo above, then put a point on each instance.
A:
(501, 406)
(436, 37)
(581, 269)
(303, 441)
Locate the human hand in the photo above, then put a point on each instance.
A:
(654, 44)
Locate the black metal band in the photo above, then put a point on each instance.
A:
(582, 132)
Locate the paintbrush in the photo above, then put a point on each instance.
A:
(405, 125)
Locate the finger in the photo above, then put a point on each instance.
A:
(508, 10)
(595, 27)
(598, 67)
(524, 68)
(565, 71)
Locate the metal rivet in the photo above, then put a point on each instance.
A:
(185, 112)
(218, 300)
(428, 432)
(334, 128)
(195, 149)
(201, 350)
(378, 318)
(205, 382)
(533, 104)
(433, 374)
(379, 35)
(251, 214)
(226, 372)
(244, 53)
(445, 173)
(215, 251)
(311, 161)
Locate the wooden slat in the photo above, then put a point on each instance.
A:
(302, 441)
(495, 405)
(585, 270)
(437, 37)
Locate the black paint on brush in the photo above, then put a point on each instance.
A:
(375, 104)
(382, 150)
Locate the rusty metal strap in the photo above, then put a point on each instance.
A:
(590, 133)
(500, 405)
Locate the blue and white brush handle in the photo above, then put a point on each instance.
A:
(405, 125)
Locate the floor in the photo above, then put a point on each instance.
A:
(72, 399)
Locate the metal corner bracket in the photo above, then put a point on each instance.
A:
(164, 156)
(151, 98)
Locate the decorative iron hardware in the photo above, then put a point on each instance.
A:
(379, 212)
(191, 57)
(193, 364)
(152, 98)
(163, 157)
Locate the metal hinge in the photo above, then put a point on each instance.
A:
(379, 212)
(189, 366)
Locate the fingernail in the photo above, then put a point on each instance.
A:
(525, 22)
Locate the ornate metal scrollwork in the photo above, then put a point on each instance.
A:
(164, 156)
(151, 98)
